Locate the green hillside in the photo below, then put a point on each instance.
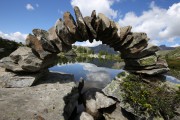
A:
(7, 47)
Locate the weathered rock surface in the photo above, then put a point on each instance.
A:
(149, 50)
(151, 71)
(42, 36)
(95, 100)
(36, 45)
(19, 80)
(124, 31)
(146, 61)
(71, 25)
(43, 101)
(63, 32)
(9, 64)
(57, 42)
(91, 32)
(23, 59)
(117, 114)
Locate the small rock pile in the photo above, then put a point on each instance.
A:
(139, 56)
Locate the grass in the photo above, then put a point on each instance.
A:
(151, 98)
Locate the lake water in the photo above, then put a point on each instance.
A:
(96, 72)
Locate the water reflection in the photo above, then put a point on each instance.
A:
(96, 72)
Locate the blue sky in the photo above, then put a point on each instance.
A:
(158, 18)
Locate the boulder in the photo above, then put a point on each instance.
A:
(85, 116)
(91, 32)
(116, 114)
(146, 61)
(95, 100)
(81, 24)
(63, 32)
(42, 101)
(33, 42)
(60, 46)
(42, 36)
(71, 25)
(19, 80)
(9, 64)
(103, 101)
(29, 62)
(90, 103)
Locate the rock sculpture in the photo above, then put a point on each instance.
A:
(139, 56)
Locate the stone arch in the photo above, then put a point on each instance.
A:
(139, 56)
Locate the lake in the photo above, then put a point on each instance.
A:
(96, 72)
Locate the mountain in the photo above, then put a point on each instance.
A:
(174, 53)
(164, 47)
(104, 48)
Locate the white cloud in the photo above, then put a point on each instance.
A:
(88, 44)
(101, 6)
(161, 25)
(17, 36)
(30, 7)
(175, 45)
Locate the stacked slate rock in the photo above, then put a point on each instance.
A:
(139, 56)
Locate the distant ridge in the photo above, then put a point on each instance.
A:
(103, 47)
(164, 47)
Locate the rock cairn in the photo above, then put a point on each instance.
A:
(139, 56)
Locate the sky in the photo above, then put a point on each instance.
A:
(158, 18)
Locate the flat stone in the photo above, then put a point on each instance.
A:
(112, 36)
(58, 43)
(33, 42)
(136, 48)
(42, 36)
(15, 80)
(91, 32)
(113, 90)
(124, 31)
(137, 38)
(9, 64)
(81, 24)
(39, 102)
(103, 29)
(149, 50)
(63, 32)
(151, 72)
(105, 22)
(146, 61)
(71, 25)
(93, 16)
